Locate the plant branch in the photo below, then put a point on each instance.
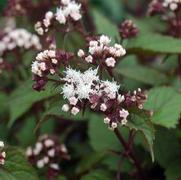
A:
(129, 153)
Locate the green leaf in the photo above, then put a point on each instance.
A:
(165, 103)
(98, 175)
(166, 147)
(2, 5)
(154, 43)
(3, 98)
(177, 83)
(101, 138)
(56, 111)
(142, 74)
(142, 123)
(16, 166)
(90, 161)
(25, 135)
(147, 24)
(61, 178)
(48, 127)
(113, 8)
(22, 99)
(104, 25)
(173, 170)
(113, 161)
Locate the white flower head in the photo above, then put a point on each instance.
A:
(107, 120)
(63, 148)
(70, 9)
(75, 110)
(93, 43)
(1, 144)
(65, 2)
(39, 146)
(73, 10)
(172, 4)
(114, 125)
(65, 108)
(29, 151)
(68, 91)
(89, 59)
(51, 152)
(110, 62)
(3, 154)
(121, 98)
(49, 15)
(2, 161)
(111, 88)
(54, 61)
(40, 164)
(49, 143)
(123, 113)
(119, 50)
(105, 40)
(103, 107)
(35, 68)
(54, 166)
(78, 84)
(60, 17)
(124, 121)
(73, 101)
(46, 159)
(81, 53)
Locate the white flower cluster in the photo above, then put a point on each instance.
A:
(103, 96)
(19, 38)
(46, 22)
(172, 4)
(39, 66)
(44, 152)
(100, 49)
(2, 154)
(80, 86)
(68, 9)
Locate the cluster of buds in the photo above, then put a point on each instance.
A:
(170, 11)
(48, 62)
(47, 152)
(18, 38)
(155, 7)
(128, 29)
(173, 5)
(2, 153)
(135, 99)
(86, 89)
(161, 7)
(17, 7)
(101, 53)
(69, 11)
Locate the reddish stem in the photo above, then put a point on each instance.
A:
(129, 153)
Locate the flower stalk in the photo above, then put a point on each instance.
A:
(129, 153)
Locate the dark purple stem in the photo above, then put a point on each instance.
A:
(130, 154)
